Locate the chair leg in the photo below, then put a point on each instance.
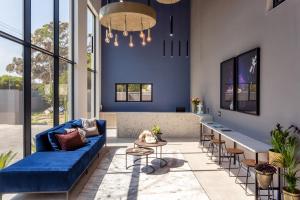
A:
(238, 173)
(246, 186)
(212, 152)
(208, 148)
(229, 167)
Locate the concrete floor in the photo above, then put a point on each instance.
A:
(215, 181)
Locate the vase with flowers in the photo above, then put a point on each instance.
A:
(195, 102)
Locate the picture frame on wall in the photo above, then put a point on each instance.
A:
(248, 82)
(228, 84)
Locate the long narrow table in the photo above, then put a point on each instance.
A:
(246, 142)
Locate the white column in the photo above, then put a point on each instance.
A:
(80, 68)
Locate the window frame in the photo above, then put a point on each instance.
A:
(141, 93)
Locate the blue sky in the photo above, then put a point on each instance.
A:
(11, 21)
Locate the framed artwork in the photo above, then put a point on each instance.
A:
(227, 93)
(247, 82)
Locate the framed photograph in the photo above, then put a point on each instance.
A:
(227, 93)
(247, 82)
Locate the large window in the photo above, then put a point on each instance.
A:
(133, 92)
(91, 64)
(11, 99)
(35, 79)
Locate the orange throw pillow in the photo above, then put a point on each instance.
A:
(70, 141)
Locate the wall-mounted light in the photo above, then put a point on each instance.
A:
(164, 48)
(179, 48)
(172, 49)
(187, 48)
(171, 26)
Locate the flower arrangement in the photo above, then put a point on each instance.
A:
(196, 101)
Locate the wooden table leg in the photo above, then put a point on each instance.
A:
(220, 149)
(201, 133)
(256, 185)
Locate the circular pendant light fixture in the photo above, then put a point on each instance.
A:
(168, 1)
(128, 17)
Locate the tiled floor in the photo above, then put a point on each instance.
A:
(212, 181)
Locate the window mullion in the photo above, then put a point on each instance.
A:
(56, 64)
(27, 79)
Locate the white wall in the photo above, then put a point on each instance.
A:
(80, 38)
(221, 29)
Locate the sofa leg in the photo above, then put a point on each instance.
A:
(0, 196)
(67, 196)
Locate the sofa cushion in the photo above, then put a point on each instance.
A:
(53, 140)
(70, 141)
(49, 171)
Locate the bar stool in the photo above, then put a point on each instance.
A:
(234, 153)
(248, 163)
(206, 137)
(215, 143)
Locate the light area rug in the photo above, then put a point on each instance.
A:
(111, 180)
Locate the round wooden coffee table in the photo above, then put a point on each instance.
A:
(140, 151)
(159, 145)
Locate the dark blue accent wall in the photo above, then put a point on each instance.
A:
(170, 76)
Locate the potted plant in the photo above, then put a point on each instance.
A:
(278, 140)
(195, 101)
(290, 163)
(264, 173)
(157, 132)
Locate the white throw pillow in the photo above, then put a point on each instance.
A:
(93, 131)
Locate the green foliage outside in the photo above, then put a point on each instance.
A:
(11, 82)
(132, 87)
(42, 65)
(6, 158)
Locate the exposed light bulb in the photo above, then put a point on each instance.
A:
(131, 42)
(116, 43)
(125, 33)
(107, 40)
(149, 39)
(142, 34)
(110, 34)
(144, 41)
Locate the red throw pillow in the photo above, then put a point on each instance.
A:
(70, 141)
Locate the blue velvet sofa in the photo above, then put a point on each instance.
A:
(47, 170)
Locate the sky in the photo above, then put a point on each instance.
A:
(11, 21)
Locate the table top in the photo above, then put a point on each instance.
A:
(144, 144)
(245, 141)
(139, 151)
